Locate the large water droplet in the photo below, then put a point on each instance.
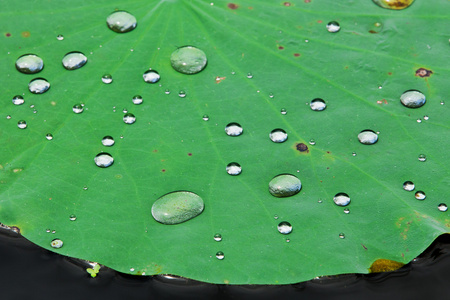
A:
(177, 207)
(408, 186)
(220, 255)
(318, 104)
(137, 100)
(74, 60)
(284, 185)
(393, 4)
(205, 118)
(218, 237)
(103, 160)
(249, 75)
(188, 60)
(56, 243)
(29, 64)
(333, 27)
(341, 199)
(233, 129)
(107, 78)
(284, 227)
(278, 135)
(367, 137)
(442, 207)
(151, 76)
(60, 37)
(121, 21)
(129, 118)
(182, 94)
(18, 100)
(22, 124)
(78, 108)
(420, 195)
(49, 136)
(108, 141)
(283, 111)
(38, 86)
(234, 169)
(342, 235)
(413, 99)
(72, 217)
(422, 157)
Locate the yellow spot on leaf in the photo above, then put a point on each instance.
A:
(385, 265)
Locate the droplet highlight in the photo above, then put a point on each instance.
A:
(442, 207)
(121, 22)
(341, 235)
(137, 100)
(318, 104)
(422, 157)
(333, 27)
(278, 135)
(29, 64)
(49, 136)
(220, 255)
(341, 199)
(129, 118)
(108, 141)
(233, 169)
(151, 76)
(107, 78)
(22, 124)
(103, 160)
(181, 94)
(284, 185)
(233, 129)
(72, 217)
(413, 99)
(218, 237)
(18, 100)
(188, 60)
(284, 227)
(78, 108)
(420, 195)
(38, 86)
(408, 186)
(367, 137)
(74, 60)
(177, 207)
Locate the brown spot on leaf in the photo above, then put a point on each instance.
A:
(365, 248)
(163, 170)
(8, 34)
(302, 147)
(319, 21)
(220, 79)
(287, 4)
(280, 47)
(385, 265)
(26, 34)
(189, 154)
(232, 6)
(382, 101)
(389, 73)
(422, 72)
(296, 54)
(307, 1)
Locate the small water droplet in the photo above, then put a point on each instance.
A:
(85, 188)
(285, 185)
(376, 27)
(167, 92)
(312, 142)
(121, 21)
(29, 64)
(53, 231)
(442, 102)
(333, 26)
(341, 199)
(129, 118)
(408, 186)
(275, 217)
(442, 207)
(420, 195)
(137, 99)
(8, 117)
(103, 160)
(284, 227)
(38, 86)
(177, 207)
(288, 240)
(283, 111)
(278, 135)
(422, 157)
(419, 120)
(60, 37)
(49, 136)
(205, 118)
(249, 75)
(18, 100)
(426, 118)
(218, 237)
(56, 243)
(47, 230)
(78, 108)
(367, 137)
(346, 210)
(74, 60)
(22, 124)
(318, 104)
(413, 99)
(107, 78)
(234, 169)
(151, 76)
(393, 4)
(108, 141)
(233, 129)
(72, 217)
(220, 255)
(124, 110)
(182, 94)
(188, 60)
(271, 95)
(354, 154)
(341, 235)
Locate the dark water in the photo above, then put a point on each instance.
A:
(30, 272)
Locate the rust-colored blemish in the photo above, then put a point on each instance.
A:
(280, 47)
(302, 147)
(389, 73)
(382, 101)
(189, 154)
(8, 34)
(385, 265)
(26, 34)
(319, 21)
(163, 170)
(307, 1)
(219, 79)
(365, 248)
(422, 72)
(232, 6)
(287, 4)
(296, 54)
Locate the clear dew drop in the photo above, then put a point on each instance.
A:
(121, 22)
(56, 243)
(333, 27)
(188, 60)
(72, 217)
(234, 169)
(129, 118)
(220, 255)
(442, 207)
(60, 37)
(408, 186)
(367, 137)
(29, 64)
(283, 111)
(420, 195)
(278, 135)
(271, 95)
(341, 199)
(218, 237)
(107, 78)
(49, 136)
(205, 118)
(74, 60)
(103, 160)
(53, 231)
(151, 76)
(393, 4)
(22, 124)
(284, 185)
(312, 142)
(288, 240)
(181, 94)
(442, 102)
(346, 210)
(426, 118)
(108, 141)
(422, 157)
(354, 154)
(137, 100)
(233, 129)
(38, 86)
(275, 217)
(413, 99)
(342, 235)
(167, 92)
(284, 227)
(85, 188)
(78, 108)
(419, 120)
(318, 104)
(8, 117)
(18, 100)
(177, 207)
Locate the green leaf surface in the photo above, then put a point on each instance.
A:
(360, 71)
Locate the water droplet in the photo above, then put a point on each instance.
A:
(60, 37)
(124, 110)
(220, 255)
(74, 60)
(129, 118)
(18, 100)
(85, 188)
(271, 95)
(47, 230)
(8, 117)
(341, 199)
(420, 195)
(167, 92)
(205, 118)
(393, 4)
(182, 94)
(137, 100)
(346, 210)
(426, 118)
(283, 111)
(38, 86)
(249, 75)
(103, 160)
(288, 240)
(413, 99)
(318, 104)
(333, 27)
(188, 60)
(121, 21)
(151, 76)
(49, 136)
(376, 27)
(354, 154)
(419, 120)
(312, 142)
(29, 64)
(107, 78)
(278, 135)
(442, 102)
(108, 141)
(422, 157)
(284, 227)
(177, 207)
(22, 124)
(367, 137)
(56, 243)
(275, 217)
(53, 231)
(72, 218)
(131, 269)
(408, 186)
(78, 108)
(284, 185)
(217, 237)
(341, 235)
(442, 207)
(233, 129)
(233, 169)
